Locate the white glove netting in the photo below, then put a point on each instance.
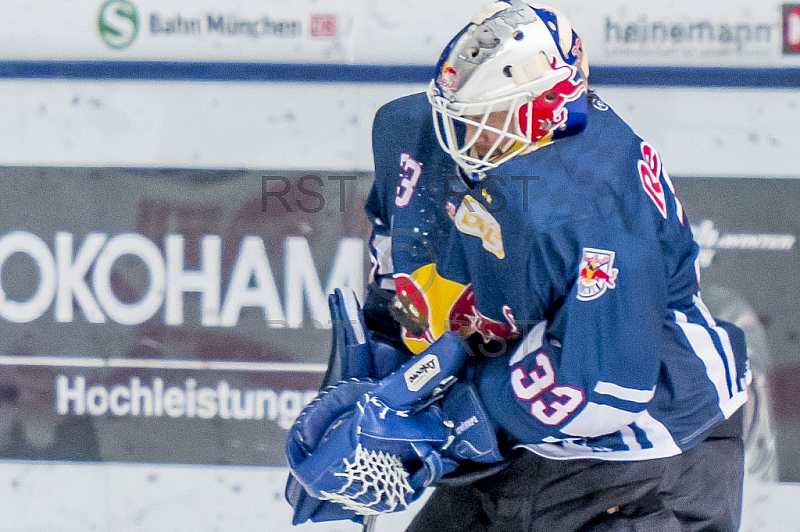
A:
(374, 474)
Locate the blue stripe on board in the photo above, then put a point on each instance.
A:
(171, 71)
(725, 77)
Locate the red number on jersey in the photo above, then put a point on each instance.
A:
(650, 174)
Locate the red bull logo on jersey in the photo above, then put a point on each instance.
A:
(427, 305)
(465, 316)
(412, 309)
(596, 274)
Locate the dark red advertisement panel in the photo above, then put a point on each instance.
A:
(168, 316)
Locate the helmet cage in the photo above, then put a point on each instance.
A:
(518, 132)
(459, 141)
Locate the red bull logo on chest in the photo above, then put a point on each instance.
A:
(596, 273)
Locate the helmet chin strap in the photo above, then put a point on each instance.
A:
(509, 146)
(513, 145)
(497, 153)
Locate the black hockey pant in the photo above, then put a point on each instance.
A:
(699, 490)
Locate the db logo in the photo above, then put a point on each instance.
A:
(324, 25)
(791, 28)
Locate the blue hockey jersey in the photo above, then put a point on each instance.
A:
(582, 250)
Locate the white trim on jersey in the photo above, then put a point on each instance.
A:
(725, 340)
(701, 306)
(626, 394)
(596, 420)
(382, 247)
(532, 343)
(735, 402)
(570, 449)
(629, 439)
(657, 434)
(700, 341)
(382, 264)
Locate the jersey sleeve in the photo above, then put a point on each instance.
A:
(378, 206)
(410, 224)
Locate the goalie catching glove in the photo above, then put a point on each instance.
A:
(372, 447)
(356, 353)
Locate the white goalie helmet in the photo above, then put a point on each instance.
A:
(516, 74)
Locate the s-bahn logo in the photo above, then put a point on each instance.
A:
(791, 28)
(118, 23)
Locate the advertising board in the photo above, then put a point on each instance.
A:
(412, 32)
(168, 315)
(747, 230)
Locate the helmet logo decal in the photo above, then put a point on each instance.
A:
(596, 273)
(549, 108)
(479, 44)
(448, 78)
